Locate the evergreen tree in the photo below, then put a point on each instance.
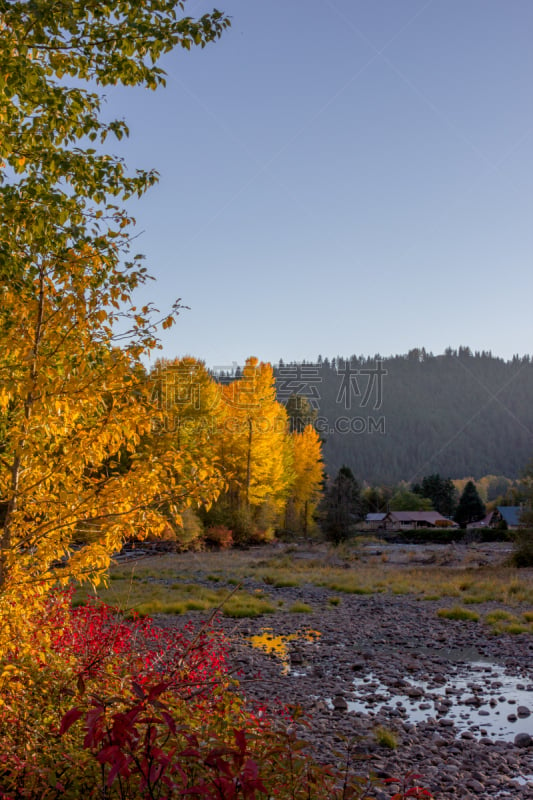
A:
(471, 507)
(440, 491)
(342, 506)
(300, 412)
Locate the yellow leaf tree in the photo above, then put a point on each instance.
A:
(190, 401)
(191, 410)
(254, 447)
(81, 458)
(74, 407)
(308, 479)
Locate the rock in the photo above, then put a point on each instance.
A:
(472, 701)
(365, 654)
(523, 740)
(339, 703)
(475, 786)
(523, 711)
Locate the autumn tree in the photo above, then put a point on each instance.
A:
(190, 401)
(254, 450)
(71, 397)
(404, 500)
(376, 499)
(191, 412)
(308, 479)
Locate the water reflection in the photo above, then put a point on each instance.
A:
(478, 697)
(277, 644)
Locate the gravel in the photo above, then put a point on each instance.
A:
(377, 661)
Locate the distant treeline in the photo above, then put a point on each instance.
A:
(402, 417)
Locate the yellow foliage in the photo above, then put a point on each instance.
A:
(85, 460)
(254, 445)
(308, 473)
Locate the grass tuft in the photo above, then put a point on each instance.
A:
(463, 614)
(386, 737)
(240, 606)
(300, 608)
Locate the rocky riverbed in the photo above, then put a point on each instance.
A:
(458, 699)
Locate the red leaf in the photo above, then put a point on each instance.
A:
(169, 719)
(120, 766)
(240, 741)
(158, 689)
(110, 754)
(138, 690)
(69, 719)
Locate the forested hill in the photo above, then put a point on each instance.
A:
(402, 417)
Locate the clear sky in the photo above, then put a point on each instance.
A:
(342, 176)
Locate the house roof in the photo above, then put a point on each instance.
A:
(416, 516)
(375, 517)
(482, 523)
(511, 514)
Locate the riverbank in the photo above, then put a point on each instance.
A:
(455, 699)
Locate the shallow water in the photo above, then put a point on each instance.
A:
(278, 644)
(484, 680)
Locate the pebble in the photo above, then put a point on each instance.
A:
(383, 643)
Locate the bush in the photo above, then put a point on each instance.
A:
(219, 536)
(110, 707)
(429, 536)
(128, 711)
(262, 536)
(522, 555)
(189, 533)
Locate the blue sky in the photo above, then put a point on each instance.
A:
(342, 176)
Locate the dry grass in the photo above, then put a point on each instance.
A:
(147, 596)
(176, 583)
(458, 613)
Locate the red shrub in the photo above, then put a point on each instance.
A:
(220, 537)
